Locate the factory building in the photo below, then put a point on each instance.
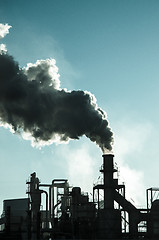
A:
(69, 214)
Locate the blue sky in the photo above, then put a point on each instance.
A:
(110, 48)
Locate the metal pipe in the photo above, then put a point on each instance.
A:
(48, 185)
(52, 208)
(47, 222)
(50, 202)
(98, 198)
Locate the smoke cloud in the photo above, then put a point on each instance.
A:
(4, 29)
(33, 105)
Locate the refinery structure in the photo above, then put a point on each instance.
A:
(69, 214)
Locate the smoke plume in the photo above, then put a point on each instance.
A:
(33, 105)
(4, 30)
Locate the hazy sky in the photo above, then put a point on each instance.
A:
(107, 47)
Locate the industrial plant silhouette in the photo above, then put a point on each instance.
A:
(68, 213)
(34, 105)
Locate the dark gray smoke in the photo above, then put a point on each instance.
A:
(33, 104)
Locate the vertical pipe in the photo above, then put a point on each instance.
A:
(50, 202)
(147, 199)
(47, 222)
(108, 170)
(93, 195)
(57, 202)
(98, 198)
(53, 214)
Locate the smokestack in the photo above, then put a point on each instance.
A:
(108, 170)
(33, 104)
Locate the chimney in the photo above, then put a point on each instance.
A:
(108, 170)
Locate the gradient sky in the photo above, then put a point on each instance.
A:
(107, 47)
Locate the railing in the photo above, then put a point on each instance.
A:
(98, 182)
